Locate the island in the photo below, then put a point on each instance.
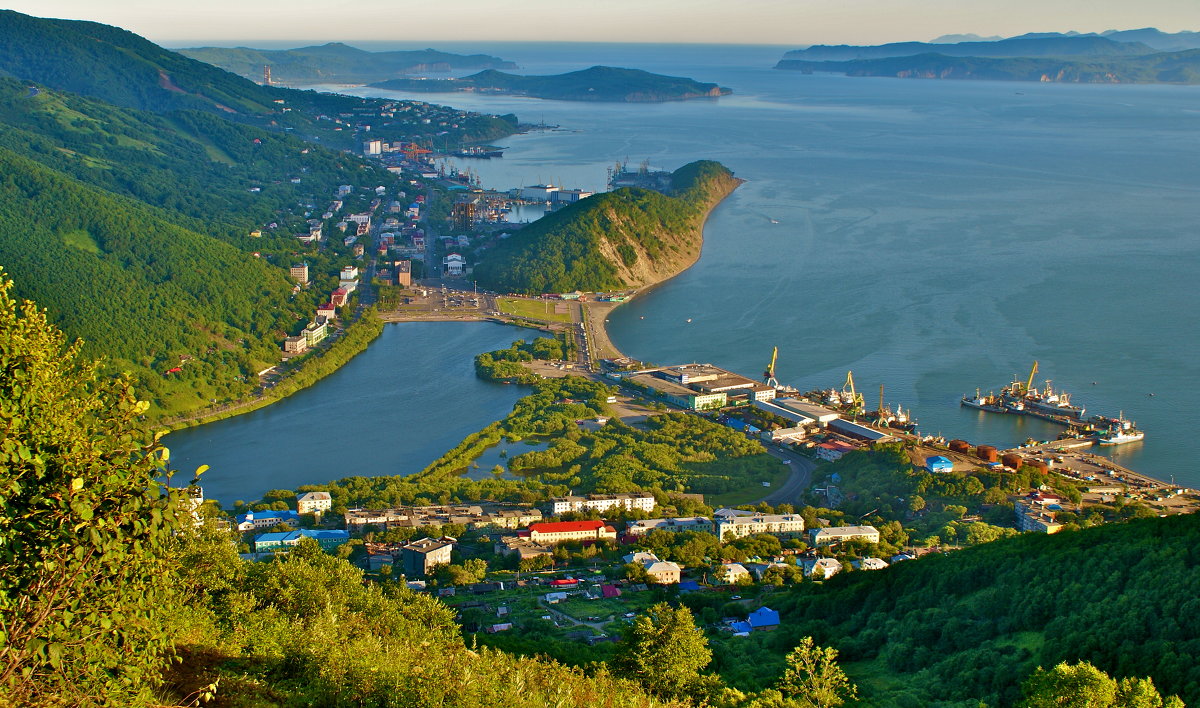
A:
(599, 83)
(630, 237)
(336, 62)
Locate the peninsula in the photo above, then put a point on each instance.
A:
(630, 237)
(338, 63)
(599, 83)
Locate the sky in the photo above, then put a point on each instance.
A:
(787, 22)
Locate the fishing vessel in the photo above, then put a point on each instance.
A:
(1022, 396)
(1120, 431)
(990, 403)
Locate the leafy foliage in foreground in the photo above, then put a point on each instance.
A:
(85, 527)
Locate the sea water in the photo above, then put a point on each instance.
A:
(932, 236)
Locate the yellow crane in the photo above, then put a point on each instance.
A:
(1032, 373)
(856, 398)
(769, 375)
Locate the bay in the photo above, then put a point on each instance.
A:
(933, 236)
(391, 410)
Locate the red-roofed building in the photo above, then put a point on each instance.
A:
(558, 531)
(564, 583)
(339, 297)
(610, 591)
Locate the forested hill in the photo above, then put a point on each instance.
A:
(599, 83)
(629, 237)
(337, 62)
(1042, 46)
(968, 626)
(122, 68)
(141, 291)
(1174, 67)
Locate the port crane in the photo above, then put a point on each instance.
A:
(851, 396)
(769, 375)
(1029, 382)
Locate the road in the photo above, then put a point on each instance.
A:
(798, 481)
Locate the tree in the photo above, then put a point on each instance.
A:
(664, 651)
(86, 527)
(813, 678)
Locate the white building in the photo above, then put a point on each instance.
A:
(538, 193)
(314, 502)
(692, 523)
(730, 573)
(454, 264)
(349, 273)
(730, 527)
(834, 534)
(570, 196)
(822, 567)
(602, 502)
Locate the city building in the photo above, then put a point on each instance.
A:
(327, 539)
(679, 394)
(537, 193)
(836, 534)
(419, 557)
(404, 273)
(349, 273)
(730, 527)
(1030, 518)
(937, 463)
(316, 331)
(559, 531)
(299, 273)
(569, 196)
(265, 519)
(663, 572)
(314, 503)
(692, 523)
(295, 345)
(602, 502)
(454, 264)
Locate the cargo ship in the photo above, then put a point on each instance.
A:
(1057, 403)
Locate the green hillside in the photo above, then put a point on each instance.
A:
(337, 62)
(120, 67)
(629, 237)
(142, 291)
(969, 626)
(599, 83)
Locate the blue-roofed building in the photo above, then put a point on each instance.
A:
(937, 463)
(764, 619)
(265, 519)
(741, 628)
(327, 539)
(688, 586)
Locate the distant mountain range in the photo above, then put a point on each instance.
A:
(338, 63)
(599, 83)
(1128, 56)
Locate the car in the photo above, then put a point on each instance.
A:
(787, 462)
(736, 597)
(629, 615)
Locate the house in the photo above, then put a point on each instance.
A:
(339, 297)
(602, 502)
(328, 311)
(730, 573)
(610, 591)
(937, 464)
(837, 534)
(663, 572)
(419, 557)
(556, 532)
(639, 557)
(822, 567)
(764, 619)
(870, 564)
(314, 503)
(265, 519)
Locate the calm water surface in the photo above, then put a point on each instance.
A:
(932, 236)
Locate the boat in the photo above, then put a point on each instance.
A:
(1053, 402)
(478, 151)
(990, 403)
(1120, 431)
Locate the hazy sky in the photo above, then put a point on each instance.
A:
(733, 21)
